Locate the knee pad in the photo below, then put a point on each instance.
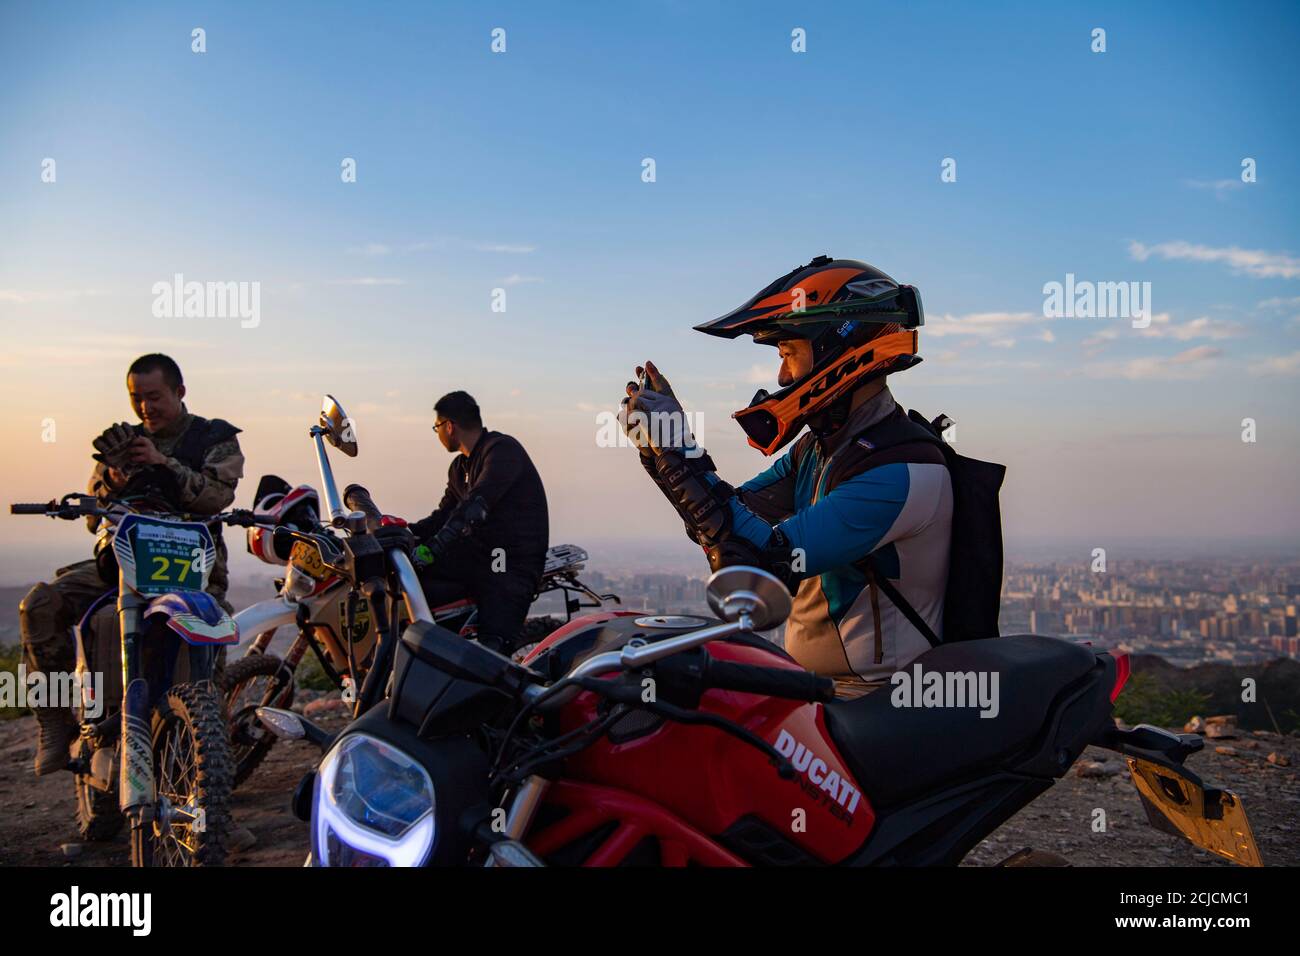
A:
(37, 615)
(48, 647)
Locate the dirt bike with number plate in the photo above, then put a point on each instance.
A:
(321, 598)
(675, 741)
(153, 751)
(350, 588)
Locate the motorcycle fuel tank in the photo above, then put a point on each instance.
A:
(690, 777)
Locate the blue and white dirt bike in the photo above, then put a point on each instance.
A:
(154, 749)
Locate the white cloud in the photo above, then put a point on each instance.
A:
(367, 280)
(1279, 303)
(501, 247)
(1189, 364)
(90, 350)
(26, 297)
(1101, 338)
(1163, 327)
(1278, 365)
(375, 249)
(516, 279)
(1258, 263)
(1221, 187)
(980, 324)
(371, 249)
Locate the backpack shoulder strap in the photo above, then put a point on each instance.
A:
(900, 602)
(897, 438)
(202, 435)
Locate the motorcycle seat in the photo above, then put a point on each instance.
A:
(896, 752)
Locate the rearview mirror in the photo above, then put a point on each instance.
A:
(338, 427)
(741, 590)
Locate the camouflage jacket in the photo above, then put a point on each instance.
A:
(198, 480)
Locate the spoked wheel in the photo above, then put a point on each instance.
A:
(98, 815)
(246, 686)
(192, 770)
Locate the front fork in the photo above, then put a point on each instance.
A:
(136, 789)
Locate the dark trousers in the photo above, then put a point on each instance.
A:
(503, 599)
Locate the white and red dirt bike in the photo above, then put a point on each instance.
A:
(320, 596)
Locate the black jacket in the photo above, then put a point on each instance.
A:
(500, 472)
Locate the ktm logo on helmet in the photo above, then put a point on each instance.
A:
(834, 376)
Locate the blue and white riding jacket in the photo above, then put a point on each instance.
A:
(900, 512)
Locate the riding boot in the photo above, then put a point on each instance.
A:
(48, 650)
(58, 731)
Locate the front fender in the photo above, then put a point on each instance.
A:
(266, 616)
(196, 617)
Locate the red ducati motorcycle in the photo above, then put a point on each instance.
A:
(653, 740)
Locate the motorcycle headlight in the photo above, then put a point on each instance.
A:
(373, 806)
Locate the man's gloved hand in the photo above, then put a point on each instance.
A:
(395, 536)
(461, 524)
(662, 423)
(113, 445)
(631, 423)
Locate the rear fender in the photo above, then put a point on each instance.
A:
(196, 617)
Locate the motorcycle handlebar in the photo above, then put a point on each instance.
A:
(68, 507)
(358, 498)
(771, 681)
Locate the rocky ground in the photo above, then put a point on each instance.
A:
(1061, 819)
(38, 825)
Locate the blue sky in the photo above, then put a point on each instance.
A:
(522, 171)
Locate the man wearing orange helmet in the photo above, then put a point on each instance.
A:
(860, 508)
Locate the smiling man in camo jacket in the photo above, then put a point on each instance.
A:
(177, 460)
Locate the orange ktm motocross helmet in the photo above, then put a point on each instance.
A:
(862, 325)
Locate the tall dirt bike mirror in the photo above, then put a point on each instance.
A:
(338, 427)
(744, 590)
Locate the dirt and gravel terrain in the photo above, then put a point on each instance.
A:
(1061, 820)
(37, 827)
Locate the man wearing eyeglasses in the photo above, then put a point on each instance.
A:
(487, 539)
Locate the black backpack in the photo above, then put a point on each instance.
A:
(973, 596)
